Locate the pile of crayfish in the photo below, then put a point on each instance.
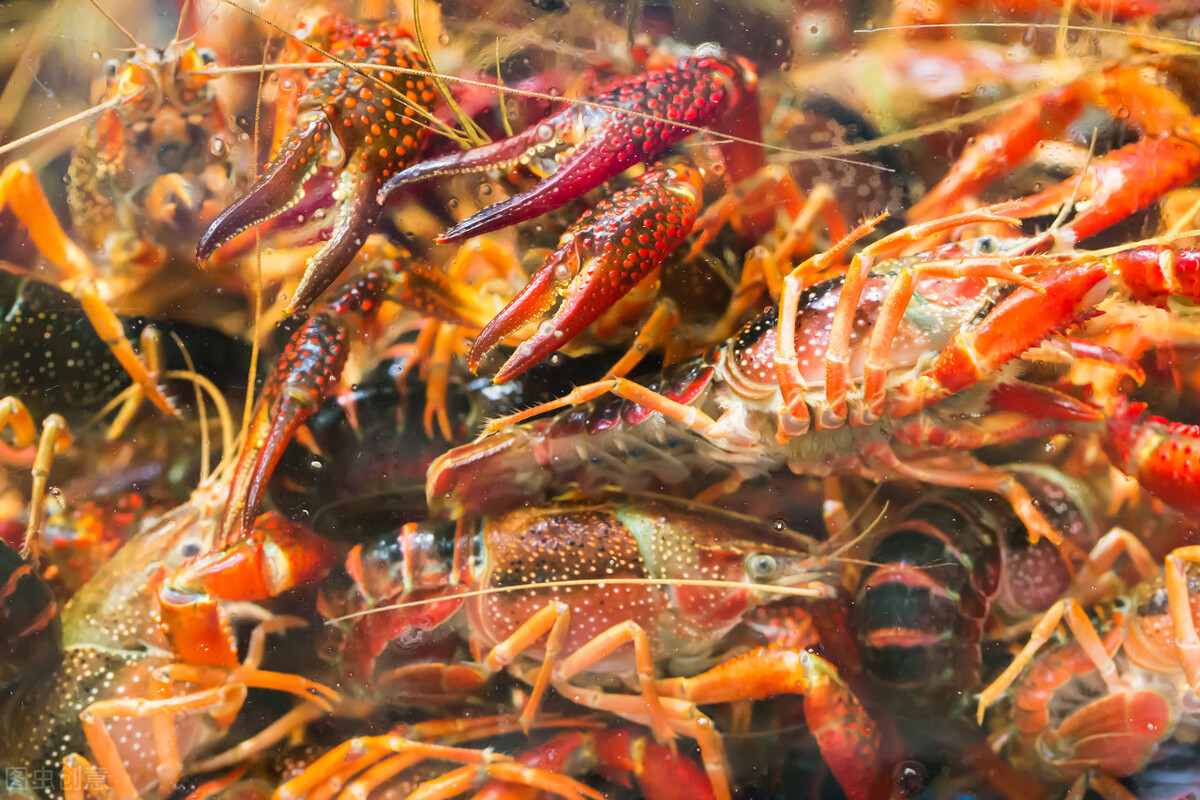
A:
(418, 399)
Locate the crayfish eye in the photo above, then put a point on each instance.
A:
(189, 549)
(761, 566)
(208, 57)
(110, 69)
(986, 245)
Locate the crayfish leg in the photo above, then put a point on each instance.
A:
(849, 739)
(21, 192)
(1097, 650)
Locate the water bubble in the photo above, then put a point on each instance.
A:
(778, 525)
(909, 778)
(444, 38)
(218, 146)
(485, 190)
(335, 156)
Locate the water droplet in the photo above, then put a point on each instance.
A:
(335, 156)
(909, 778)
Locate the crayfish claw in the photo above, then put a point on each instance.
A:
(577, 149)
(305, 373)
(363, 122)
(530, 303)
(504, 154)
(1155, 451)
(357, 217)
(595, 156)
(276, 190)
(610, 250)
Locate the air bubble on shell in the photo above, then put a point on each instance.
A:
(335, 156)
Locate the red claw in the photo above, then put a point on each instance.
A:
(272, 556)
(1160, 454)
(584, 145)
(305, 375)
(851, 742)
(306, 372)
(606, 253)
(1115, 186)
(347, 116)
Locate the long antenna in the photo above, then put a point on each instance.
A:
(116, 24)
(182, 13)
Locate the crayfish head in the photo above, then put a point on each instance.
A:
(787, 570)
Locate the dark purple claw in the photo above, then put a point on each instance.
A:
(275, 190)
(357, 216)
(368, 114)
